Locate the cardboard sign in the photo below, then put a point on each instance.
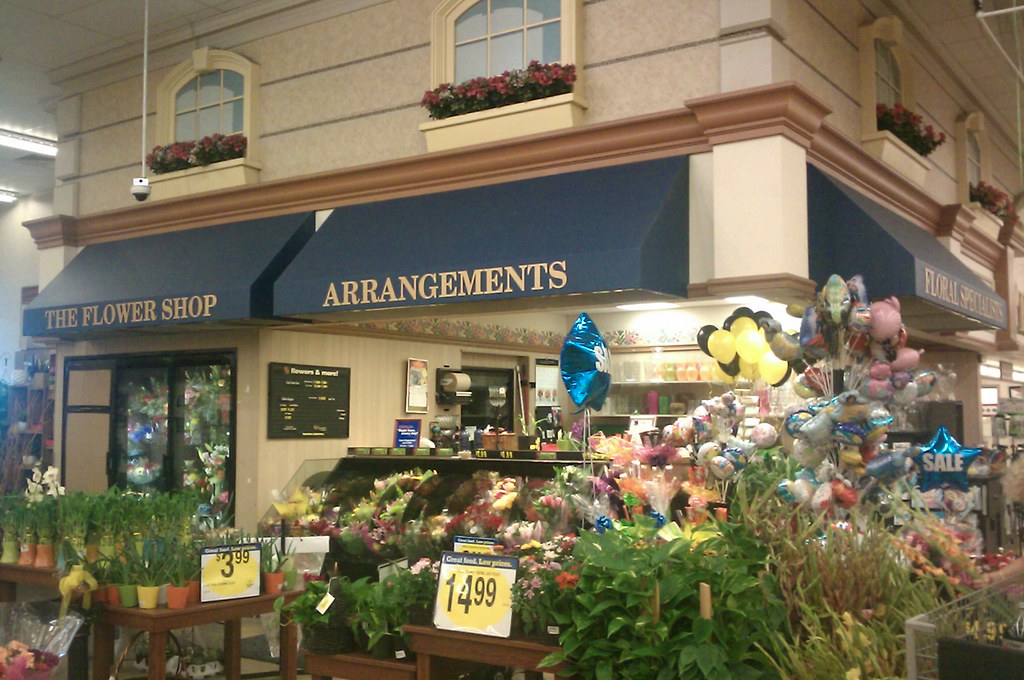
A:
(229, 572)
(474, 593)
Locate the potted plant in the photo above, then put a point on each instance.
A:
(536, 81)
(379, 610)
(324, 630)
(11, 511)
(44, 518)
(909, 128)
(184, 155)
(150, 569)
(179, 571)
(271, 566)
(417, 587)
(74, 518)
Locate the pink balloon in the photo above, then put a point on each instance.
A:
(886, 320)
(879, 370)
(906, 359)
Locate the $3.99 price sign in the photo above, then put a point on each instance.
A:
(228, 572)
(474, 593)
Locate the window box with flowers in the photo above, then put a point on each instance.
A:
(213, 163)
(539, 98)
(903, 141)
(994, 207)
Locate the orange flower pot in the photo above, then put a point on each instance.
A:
(113, 595)
(28, 554)
(273, 582)
(193, 592)
(44, 557)
(100, 594)
(177, 596)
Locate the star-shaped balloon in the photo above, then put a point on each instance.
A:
(585, 364)
(943, 463)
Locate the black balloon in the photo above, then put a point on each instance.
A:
(702, 337)
(760, 316)
(744, 311)
(732, 368)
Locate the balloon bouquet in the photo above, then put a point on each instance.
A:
(750, 345)
(856, 362)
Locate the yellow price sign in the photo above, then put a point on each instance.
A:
(228, 572)
(475, 593)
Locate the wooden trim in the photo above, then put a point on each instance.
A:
(955, 221)
(55, 230)
(28, 294)
(361, 332)
(778, 287)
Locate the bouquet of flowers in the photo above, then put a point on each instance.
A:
(548, 574)
(36, 639)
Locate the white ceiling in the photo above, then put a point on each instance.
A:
(44, 43)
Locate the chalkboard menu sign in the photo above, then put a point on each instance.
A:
(308, 401)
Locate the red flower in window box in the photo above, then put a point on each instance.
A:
(536, 81)
(992, 199)
(184, 155)
(909, 127)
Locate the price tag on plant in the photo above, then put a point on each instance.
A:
(474, 593)
(229, 572)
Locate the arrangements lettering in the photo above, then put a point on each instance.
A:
(951, 291)
(135, 312)
(443, 285)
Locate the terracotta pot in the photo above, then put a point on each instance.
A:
(44, 557)
(28, 554)
(273, 582)
(193, 592)
(148, 596)
(177, 597)
(114, 595)
(129, 595)
(92, 552)
(100, 594)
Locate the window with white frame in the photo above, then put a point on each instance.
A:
(493, 36)
(973, 158)
(210, 103)
(888, 80)
(471, 38)
(214, 91)
(972, 153)
(885, 73)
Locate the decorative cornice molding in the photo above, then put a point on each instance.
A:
(981, 248)
(955, 221)
(55, 230)
(780, 287)
(785, 109)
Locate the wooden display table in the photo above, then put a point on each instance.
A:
(160, 621)
(12, 574)
(357, 666)
(433, 646)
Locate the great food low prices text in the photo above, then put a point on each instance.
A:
(465, 283)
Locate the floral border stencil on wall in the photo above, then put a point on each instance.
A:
(467, 330)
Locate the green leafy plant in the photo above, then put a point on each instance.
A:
(302, 610)
(636, 613)
(272, 558)
(153, 565)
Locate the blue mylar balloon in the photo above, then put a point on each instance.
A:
(585, 364)
(943, 463)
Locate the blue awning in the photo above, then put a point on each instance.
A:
(615, 228)
(219, 273)
(850, 234)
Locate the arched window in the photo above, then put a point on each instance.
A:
(210, 103)
(973, 158)
(493, 36)
(888, 79)
(471, 38)
(213, 91)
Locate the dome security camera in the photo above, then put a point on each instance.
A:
(140, 188)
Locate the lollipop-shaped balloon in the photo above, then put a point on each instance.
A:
(585, 364)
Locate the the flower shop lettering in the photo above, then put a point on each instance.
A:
(229, 572)
(181, 308)
(533, 277)
(474, 593)
(954, 293)
(308, 402)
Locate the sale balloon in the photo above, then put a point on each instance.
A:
(943, 462)
(722, 346)
(585, 364)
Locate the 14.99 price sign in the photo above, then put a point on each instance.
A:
(474, 593)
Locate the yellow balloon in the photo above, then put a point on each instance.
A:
(772, 368)
(750, 345)
(722, 346)
(742, 325)
(748, 369)
(722, 376)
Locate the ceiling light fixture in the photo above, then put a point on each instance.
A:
(14, 140)
(647, 306)
(755, 300)
(7, 196)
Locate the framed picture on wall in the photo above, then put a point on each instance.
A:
(416, 386)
